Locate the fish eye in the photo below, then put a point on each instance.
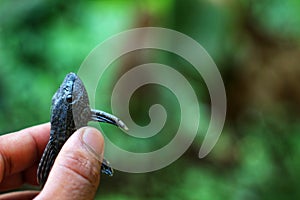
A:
(69, 98)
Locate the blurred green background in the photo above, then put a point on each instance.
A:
(255, 45)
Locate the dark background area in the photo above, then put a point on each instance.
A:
(255, 45)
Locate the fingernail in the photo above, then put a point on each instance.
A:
(92, 140)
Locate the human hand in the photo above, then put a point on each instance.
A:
(74, 175)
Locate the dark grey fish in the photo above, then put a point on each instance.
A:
(70, 111)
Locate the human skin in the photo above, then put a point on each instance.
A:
(74, 175)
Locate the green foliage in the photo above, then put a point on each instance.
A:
(252, 42)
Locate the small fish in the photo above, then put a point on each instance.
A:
(70, 111)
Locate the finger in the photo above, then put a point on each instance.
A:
(18, 179)
(76, 171)
(20, 150)
(24, 195)
(11, 182)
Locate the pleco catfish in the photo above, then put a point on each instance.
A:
(70, 111)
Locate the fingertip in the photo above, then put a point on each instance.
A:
(94, 141)
(76, 171)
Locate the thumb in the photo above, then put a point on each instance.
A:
(76, 170)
